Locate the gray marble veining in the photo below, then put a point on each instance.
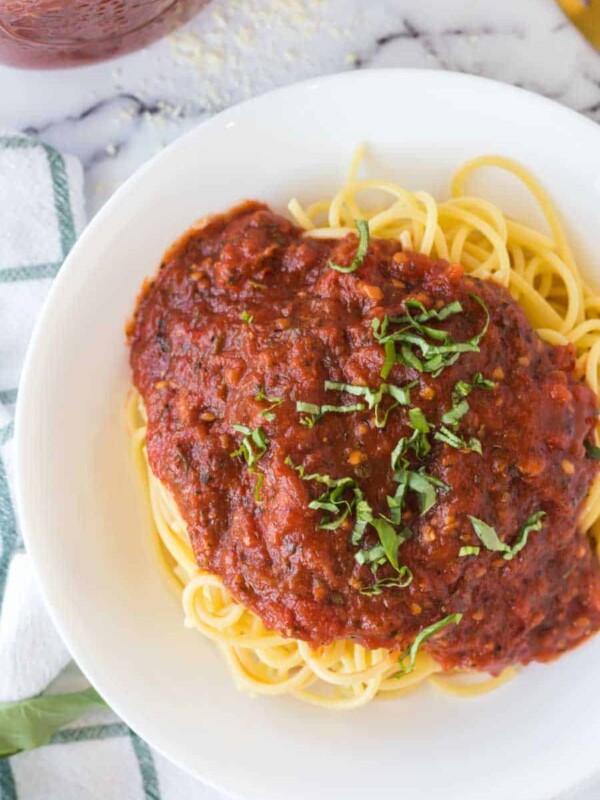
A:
(116, 115)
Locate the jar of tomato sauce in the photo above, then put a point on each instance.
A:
(62, 33)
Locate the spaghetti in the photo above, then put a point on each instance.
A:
(540, 273)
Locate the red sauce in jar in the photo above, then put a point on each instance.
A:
(62, 33)
(199, 367)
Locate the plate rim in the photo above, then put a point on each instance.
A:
(27, 378)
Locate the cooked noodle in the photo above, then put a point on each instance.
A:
(540, 273)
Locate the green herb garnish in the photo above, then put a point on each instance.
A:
(450, 438)
(460, 405)
(488, 536)
(418, 420)
(401, 581)
(463, 389)
(418, 441)
(592, 451)
(390, 540)
(491, 541)
(390, 356)
(313, 412)
(374, 556)
(332, 501)
(27, 724)
(434, 356)
(254, 444)
(247, 318)
(410, 653)
(267, 413)
(253, 447)
(260, 479)
(431, 313)
(534, 523)
(362, 227)
(456, 413)
(469, 550)
(338, 505)
(373, 398)
(418, 481)
(425, 486)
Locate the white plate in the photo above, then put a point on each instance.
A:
(81, 511)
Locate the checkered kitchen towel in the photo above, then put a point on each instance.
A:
(96, 757)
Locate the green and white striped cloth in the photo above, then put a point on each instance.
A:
(97, 757)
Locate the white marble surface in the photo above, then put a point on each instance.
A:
(116, 115)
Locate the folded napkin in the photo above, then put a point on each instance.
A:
(95, 757)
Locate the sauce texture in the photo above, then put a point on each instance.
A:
(244, 305)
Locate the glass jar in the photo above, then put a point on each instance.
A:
(62, 33)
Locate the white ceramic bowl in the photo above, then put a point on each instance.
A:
(81, 511)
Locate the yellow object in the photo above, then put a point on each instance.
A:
(585, 15)
(539, 271)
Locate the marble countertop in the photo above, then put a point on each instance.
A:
(116, 115)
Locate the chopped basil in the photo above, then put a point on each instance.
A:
(402, 580)
(374, 555)
(434, 357)
(418, 420)
(337, 506)
(254, 444)
(460, 407)
(418, 481)
(456, 413)
(362, 227)
(314, 412)
(253, 447)
(363, 516)
(463, 389)
(408, 657)
(401, 394)
(404, 444)
(247, 318)
(396, 503)
(267, 413)
(409, 359)
(418, 441)
(490, 539)
(332, 501)
(373, 398)
(432, 313)
(390, 358)
(260, 478)
(469, 550)
(488, 536)
(390, 540)
(534, 523)
(453, 440)
(592, 451)
(425, 486)
(387, 549)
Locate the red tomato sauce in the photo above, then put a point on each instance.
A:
(199, 367)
